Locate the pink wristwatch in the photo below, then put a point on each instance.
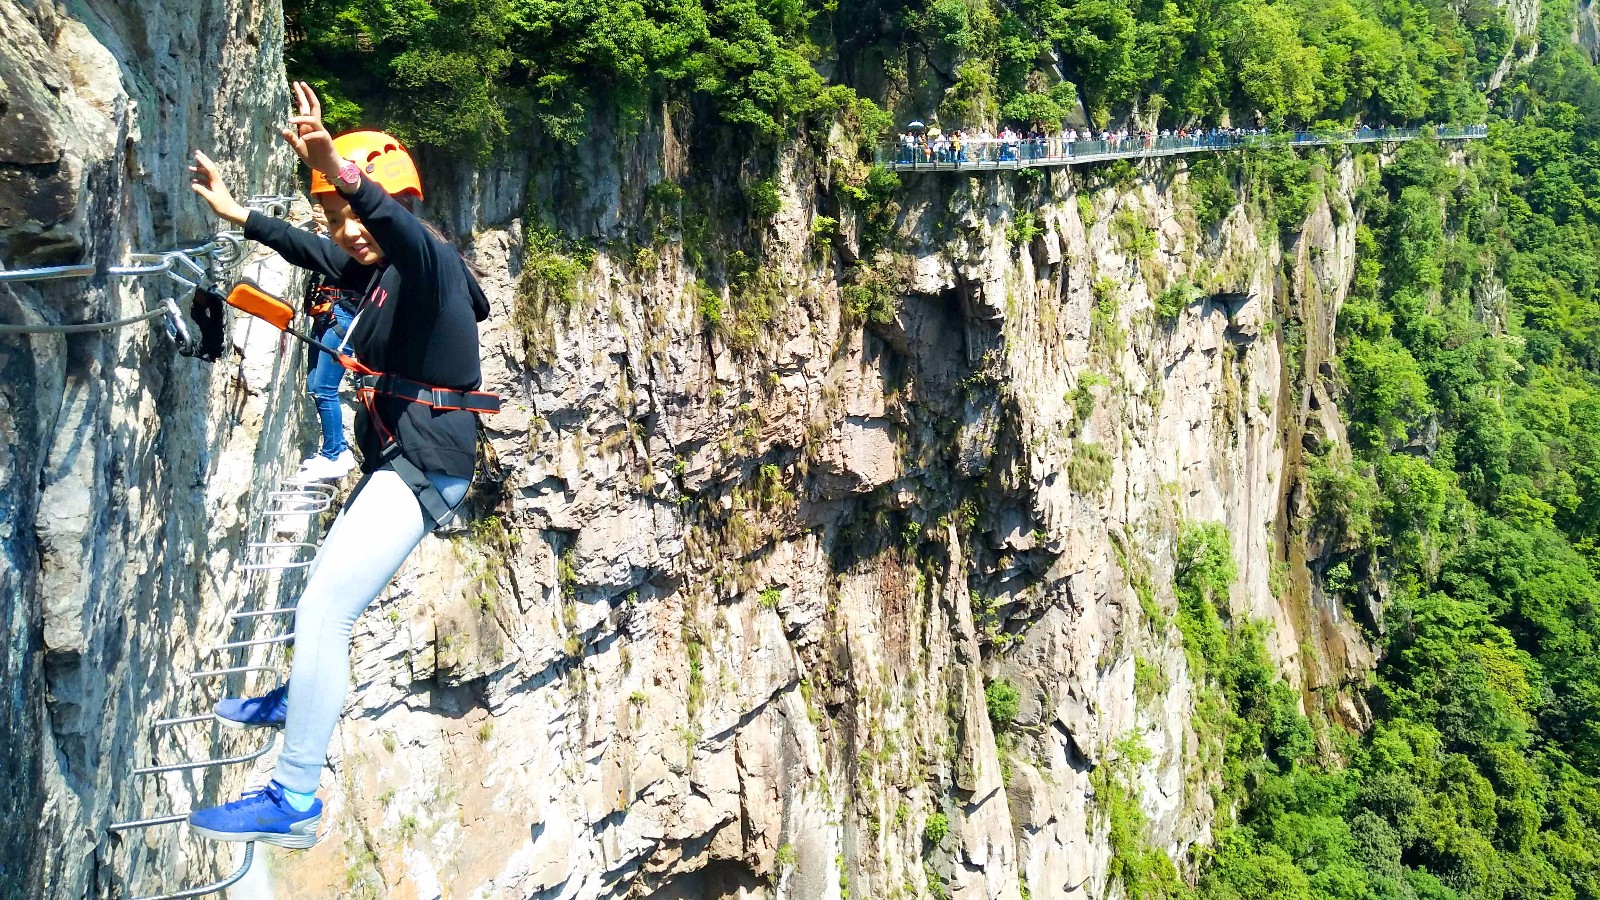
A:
(349, 174)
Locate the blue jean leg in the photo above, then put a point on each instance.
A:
(323, 386)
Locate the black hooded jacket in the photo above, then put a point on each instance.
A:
(419, 318)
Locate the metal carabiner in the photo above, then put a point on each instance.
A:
(184, 261)
(181, 259)
(176, 329)
(229, 248)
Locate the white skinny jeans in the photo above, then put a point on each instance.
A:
(367, 544)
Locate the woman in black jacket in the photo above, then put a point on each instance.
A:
(417, 324)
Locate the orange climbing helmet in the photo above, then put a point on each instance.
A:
(381, 157)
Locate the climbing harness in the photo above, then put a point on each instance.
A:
(321, 301)
(482, 402)
(248, 297)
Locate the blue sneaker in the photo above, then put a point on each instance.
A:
(270, 710)
(262, 814)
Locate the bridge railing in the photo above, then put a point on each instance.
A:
(978, 153)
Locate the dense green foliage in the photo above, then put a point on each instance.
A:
(460, 74)
(1473, 493)
(1002, 700)
(1274, 62)
(463, 74)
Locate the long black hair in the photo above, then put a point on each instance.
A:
(410, 202)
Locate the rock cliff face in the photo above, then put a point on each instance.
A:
(730, 627)
(1586, 32)
(758, 576)
(127, 471)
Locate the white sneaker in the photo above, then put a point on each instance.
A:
(321, 468)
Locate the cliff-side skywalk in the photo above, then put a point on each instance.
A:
(996, 154)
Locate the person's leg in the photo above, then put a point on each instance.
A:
(323, 385)
(371, 540)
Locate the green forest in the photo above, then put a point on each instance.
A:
(1472, 489)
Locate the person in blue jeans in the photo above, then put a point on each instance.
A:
(417, 431)
(333, 458)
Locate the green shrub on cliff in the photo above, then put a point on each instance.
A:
(1473, 493)
(460, 74)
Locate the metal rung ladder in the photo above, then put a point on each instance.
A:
(291, 497)
(272, 741)
(266, 566)
(258, 642)
(255, 613)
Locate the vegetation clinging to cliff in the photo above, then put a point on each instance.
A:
(1473, 493)
(461, 74)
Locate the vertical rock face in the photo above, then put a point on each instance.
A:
(125, 471)
(1586, 31)
(734, 624)
(763, 594)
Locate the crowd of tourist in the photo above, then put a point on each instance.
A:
(932, 145)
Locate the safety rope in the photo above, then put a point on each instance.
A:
(83, 326)
(225, 249)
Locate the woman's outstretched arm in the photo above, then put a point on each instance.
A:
(296, 245)
(406, 243)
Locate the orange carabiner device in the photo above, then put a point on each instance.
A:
(249, 297)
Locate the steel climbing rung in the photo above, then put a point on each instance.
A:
(181, 720)
(299, 495)
(273, 545)
(258, 642)
(280, 611)
(272, 741)
(224, 884)
(275, 205)
(311, 508)
(305, 486)
(231, 670)
(132, 824)
(299, 491)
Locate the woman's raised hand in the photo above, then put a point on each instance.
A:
(309, 137)
(208, 184)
